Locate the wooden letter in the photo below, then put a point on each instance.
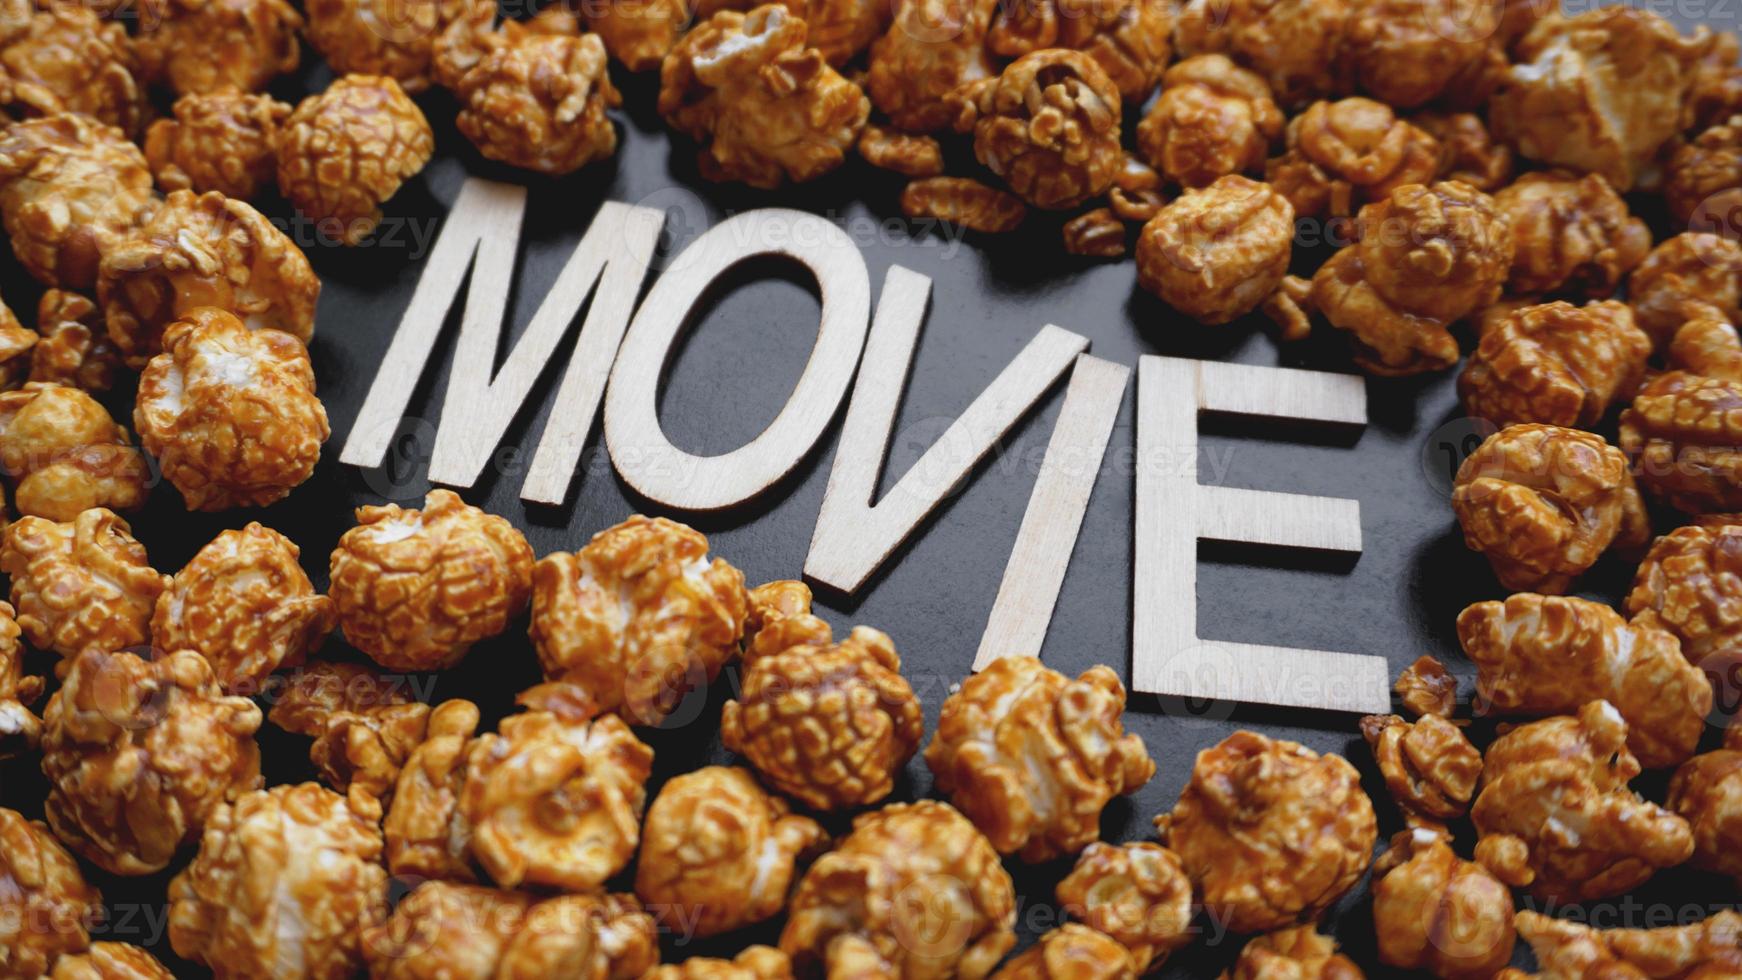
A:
(853, 537)
(1174, 511)
(1043, 547)
(644, 457)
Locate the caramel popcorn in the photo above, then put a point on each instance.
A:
(45, 905)
(1136, 192)
(1411, 52)
(1704, 186)
(1032, 757)
(74, 347)
(1573, 234)
(529, 97)
(1299, 952)
(138, 752)
(1556, 364)
(1099, 233)
(20, 729)
(1704, 950)
(639, 33)
(230, 413)
(1271, 832)
(1563, 774)
(1691, 275)
(345, 151)
(906, 871)
(1682, 434)
(1129, 39)
(218, 141)
(1346, 153)
(963, 201)
(1598, 93)
(1048, 125)
(905, 153)
(1707, 792)
(394, 38)
(466, 932)
(754, 963)
(420, 826)
(1425, 688)
(1468, 152)
(765, 108)
(203, 250)
(1217, 253)
(1435, 911)
(1691, 581)
(210, 45)
(722, 850)
(1292, 43)
(1716, 93)
(828, 724)
(66, 455)
(933, 48)
(64, 58)
(1137, 893)
(1070, 951)
(415, 589)
(110, 961)
(1212, 119)
(638, 618)
(17, 347)
(364, 725)
(69, 187)
(1429, 766)
(1707, 347)
(256, 901)
(1427, 257)
(82, 583)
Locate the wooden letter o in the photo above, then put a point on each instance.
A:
(642, 454)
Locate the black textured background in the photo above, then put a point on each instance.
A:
(729, 378)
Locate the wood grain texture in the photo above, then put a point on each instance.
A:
(853, 535)
(642, 454)
(1174, 512)
(1068, 473)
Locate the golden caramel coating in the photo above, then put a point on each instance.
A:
(1137, 893)
(1136, 192)
(1218, 252)
(1556, 364)
(1573, 234)
(933, 48)
(1691, 581)
(1598, 93)
(1555, 813)
(415, 589)
(963, 201)
(1349, 152)
(1129, 39)
(1070, 952)
(420, 825)
(203, 250)
(64, 58)
(754, 963)
(1539, 655)
(110, 961)
(69, 188)
(1694, 274)
(722, 850)
(1427, 257)
(1682, 432)
(1707, 950)
(20, 728)
(255, 903)
(1099, 233)
(66, 455)
(46, 908)
(906, 871)
(82, 583)
(828, 724)
(765, 108)
(840, 29)
(364, 725)
(1292, 43)
(1048, 125)
(394, 38)
(1408, 53)
(1298, 953)
(467, 932)
(1468, 151)
(1425, 688)
(17, 349)
(345, 151)
(138, 753)
(1033, 757)
(210, 45)
(1435, 911)
(1704, 185)
(1716, 93)
(905, 153)
(638, 618)
(639, 33)
(1212, 119)
(1271, 832)
(218, 141)
(74, 346)
(1429, 766)
(230, 413)
(1708, 347)
(1707, 792)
